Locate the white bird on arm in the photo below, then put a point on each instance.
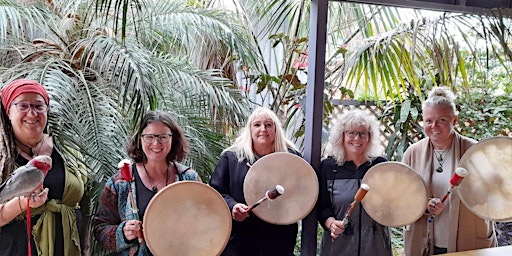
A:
(27, 179)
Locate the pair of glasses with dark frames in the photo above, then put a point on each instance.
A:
(161, 138)
(353, 134)
(26, 107)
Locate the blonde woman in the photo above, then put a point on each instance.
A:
(435, 157)
(250, 235)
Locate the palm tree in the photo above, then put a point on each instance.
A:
(105, 68)
(391, 54)
(377, 53)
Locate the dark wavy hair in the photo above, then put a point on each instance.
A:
(179, 148)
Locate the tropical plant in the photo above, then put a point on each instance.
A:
(485, 113)
(104, 68)
(391, 55)
(379, 51)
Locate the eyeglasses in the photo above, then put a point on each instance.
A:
(25, 107)
(161, 138)
(353, 134)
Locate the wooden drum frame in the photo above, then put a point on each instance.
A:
(291, 172)
(397, 194)
(187, 218)
(487, 190)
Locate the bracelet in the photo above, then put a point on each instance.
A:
(19, 203)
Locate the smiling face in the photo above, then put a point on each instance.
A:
(438, 122)
(28, 124)
(355, 142)
(263, 134)
(157, 150)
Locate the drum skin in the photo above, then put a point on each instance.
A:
(397, 195)
(300, 188)
(187, 218)
(487, 190)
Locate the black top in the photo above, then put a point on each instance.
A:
(337, 187)
(13, 236)
(253, 236)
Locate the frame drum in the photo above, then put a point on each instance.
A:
(487, 190)
(397, 195)
(187, 218)
(293, 173)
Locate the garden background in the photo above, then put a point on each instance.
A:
(209, 63)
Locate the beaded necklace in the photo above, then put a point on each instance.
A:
(31, 151)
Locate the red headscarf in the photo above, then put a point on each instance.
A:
(19, 86)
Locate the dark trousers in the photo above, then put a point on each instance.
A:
(439, 250)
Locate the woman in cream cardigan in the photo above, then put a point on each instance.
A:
(435, 158)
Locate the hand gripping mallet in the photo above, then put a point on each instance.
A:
(361, 192)
(124, 166)
(458, 176)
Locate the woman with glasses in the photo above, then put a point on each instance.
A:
(251, 235)
(55, 217)
(353, 148)
(157, 147)
(435, 158)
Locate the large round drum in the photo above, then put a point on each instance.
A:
(187, 218)
(487, 190)
(397, 194)
(293, 173)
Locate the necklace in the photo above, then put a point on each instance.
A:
(440, 159)
(31, 151)
(154, 188)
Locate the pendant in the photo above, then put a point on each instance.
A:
(439, 169)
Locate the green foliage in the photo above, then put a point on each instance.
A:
(485, 113)
(401, 119)
(319, 234)
(281, 85)
(105, 63)
(397, 242)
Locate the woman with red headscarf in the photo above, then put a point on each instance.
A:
(55, 218)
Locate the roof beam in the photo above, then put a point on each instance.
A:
(480, 7)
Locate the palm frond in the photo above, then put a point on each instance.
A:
(199, 33)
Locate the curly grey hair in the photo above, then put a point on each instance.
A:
(350, 119)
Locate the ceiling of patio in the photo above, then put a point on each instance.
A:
(481, 7)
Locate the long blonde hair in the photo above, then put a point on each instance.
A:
(243, 145)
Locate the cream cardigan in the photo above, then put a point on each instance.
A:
(467, 231)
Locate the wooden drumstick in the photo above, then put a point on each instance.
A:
(357, 198)
(361, 192)
(458, 176)
(126, 173)
(270, 195)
